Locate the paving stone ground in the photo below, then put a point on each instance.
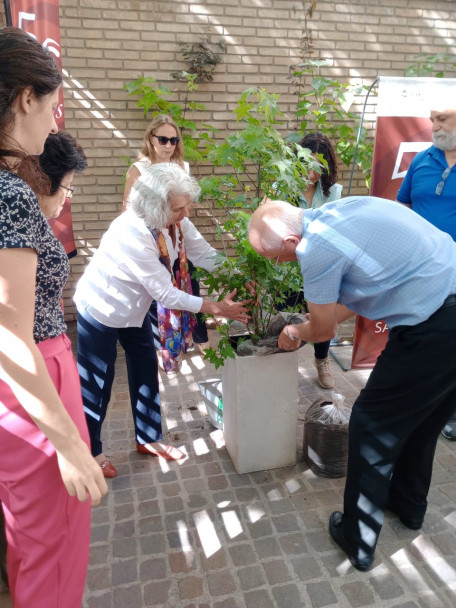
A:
(195, 534)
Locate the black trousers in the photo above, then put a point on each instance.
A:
(395, 424)
(97, 352)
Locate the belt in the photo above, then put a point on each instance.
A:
(450, 301)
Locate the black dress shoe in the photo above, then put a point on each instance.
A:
(414, 523)
(449, 431)
(337, 532)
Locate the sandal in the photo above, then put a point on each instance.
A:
(168, 452)
(108, 469)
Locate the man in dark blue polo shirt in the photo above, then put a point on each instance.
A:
(429, 188)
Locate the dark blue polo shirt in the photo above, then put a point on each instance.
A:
(419, 190)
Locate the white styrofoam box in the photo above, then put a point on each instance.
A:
(260, 411)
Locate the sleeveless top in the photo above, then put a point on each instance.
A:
(145, 163)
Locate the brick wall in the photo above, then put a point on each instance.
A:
(109, 42)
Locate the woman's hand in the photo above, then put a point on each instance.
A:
(252, 288)
(81, 474)
(228, 308)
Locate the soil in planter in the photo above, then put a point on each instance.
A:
(268, 345)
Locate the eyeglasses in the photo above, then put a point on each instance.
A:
(440, 185)
(276, 262)
(162, 140)
(69, 190)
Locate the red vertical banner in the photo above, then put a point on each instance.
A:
(403, 129)
(41, 20)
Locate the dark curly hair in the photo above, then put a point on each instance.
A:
(61, 155)
(318, 143)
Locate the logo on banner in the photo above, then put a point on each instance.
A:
(407, 150)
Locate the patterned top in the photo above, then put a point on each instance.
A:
(23, 225)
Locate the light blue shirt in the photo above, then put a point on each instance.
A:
(319, 199)
(378, 258)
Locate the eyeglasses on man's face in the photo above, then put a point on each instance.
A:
(69, 190)
(440, 185)
(162, 140)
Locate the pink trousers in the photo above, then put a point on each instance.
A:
(48, 531)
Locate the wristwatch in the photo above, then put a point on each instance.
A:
(293, 338)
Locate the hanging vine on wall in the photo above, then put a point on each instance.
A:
(324, 102)
(306, 44)
(201, 58)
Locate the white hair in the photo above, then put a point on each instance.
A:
(149, 196)
(271, 223)
(444, 140)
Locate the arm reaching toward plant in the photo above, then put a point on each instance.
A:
(227, 308)
(321, 325)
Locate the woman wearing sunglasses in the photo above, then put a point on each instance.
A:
(163, 143)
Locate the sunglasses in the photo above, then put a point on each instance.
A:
(162, 140)
(440, 185)
(69, 190)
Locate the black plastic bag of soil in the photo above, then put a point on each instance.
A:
(326, 436)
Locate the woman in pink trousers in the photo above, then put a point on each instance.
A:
(48, 478)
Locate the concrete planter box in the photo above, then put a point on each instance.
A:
(260, 411)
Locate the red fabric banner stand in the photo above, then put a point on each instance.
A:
(393, 153)
(41, 20)
(369, 339)
(403, 129)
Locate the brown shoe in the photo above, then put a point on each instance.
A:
(108, 469)
(168, 452)
(325, 379)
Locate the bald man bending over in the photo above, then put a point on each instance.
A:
(359, 255)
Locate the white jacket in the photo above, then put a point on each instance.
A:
(125, 273)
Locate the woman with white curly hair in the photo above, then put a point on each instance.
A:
(133, 266)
